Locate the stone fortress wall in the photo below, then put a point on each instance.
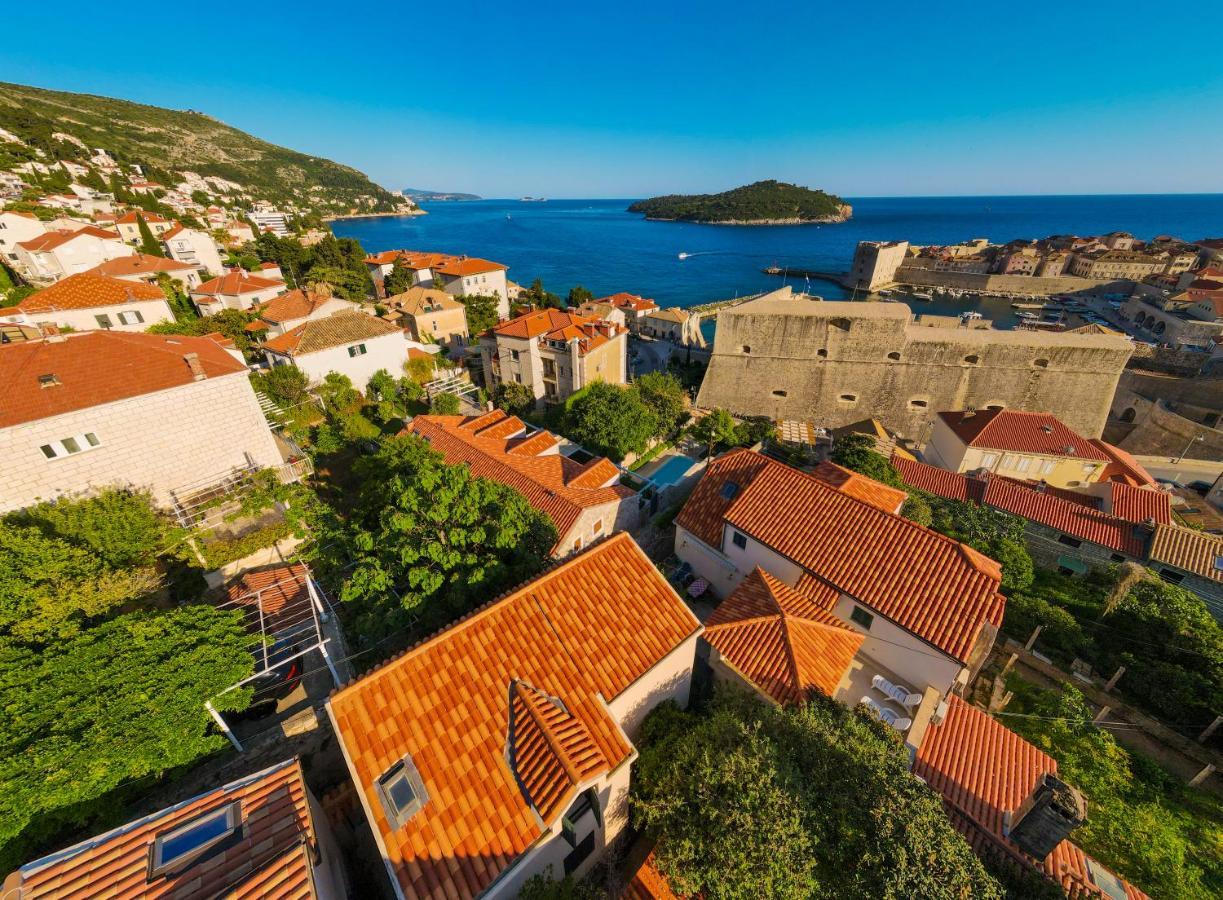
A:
(834, 363)
(1009, 284)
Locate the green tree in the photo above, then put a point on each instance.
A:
(430, 540)
(714, 430)
(148, 243)
(609, 419)
(663, 393)
(916, 509)
(180, 303)
(108, 705)
(399, 279)
(753, 800)
(540, 298)
(857, 452)
(481, 313)
(516, 399)
(286, 386)
(121, 527)
(997, 534)
(231, 323)
(445, 404)
(577, 295)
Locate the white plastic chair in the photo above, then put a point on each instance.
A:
(899, 693)
(887, 716)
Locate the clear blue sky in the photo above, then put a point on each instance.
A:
(633, 99)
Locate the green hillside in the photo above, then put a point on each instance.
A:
(762, 203)
(167, 142)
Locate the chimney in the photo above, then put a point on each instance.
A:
(193, 363)
(1046, 818)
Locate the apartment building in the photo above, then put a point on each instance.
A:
(89, 300)
(236, 289)
(62, 252)
(350, 343)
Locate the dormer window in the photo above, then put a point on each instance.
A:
(402, 792)
(50, 380)
(193, 840)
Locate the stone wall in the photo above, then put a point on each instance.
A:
(1159, 431)
(1010, 284)
(834, 363)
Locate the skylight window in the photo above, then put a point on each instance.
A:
(402, 792)
(190, 841)
(729, 490)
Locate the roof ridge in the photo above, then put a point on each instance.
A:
(530, 695)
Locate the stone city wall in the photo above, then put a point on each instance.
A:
(1009, 284)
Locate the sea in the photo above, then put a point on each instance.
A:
(601, 246)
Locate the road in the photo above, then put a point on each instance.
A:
(652, 356)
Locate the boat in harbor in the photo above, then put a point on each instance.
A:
(1027, 306)
(1027, 316)
(971, 315)
(922, 295)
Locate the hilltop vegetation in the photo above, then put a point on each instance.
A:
(762, 203)
(168, 142)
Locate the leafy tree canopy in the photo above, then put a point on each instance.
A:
(753, 800)
(516, 399)
(762, 201)
(121, 527)
(445, 404)
(663, 393)
(857, 452)
(715, 430)
(398, 280)
(229, 322)
(428, 539)
(609, 419)
(578, 295)
(481, 312)
(117, 702)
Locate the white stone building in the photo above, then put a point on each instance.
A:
(350, 343)
(88, 411)
(236, 289)
(58, 254)
(89, 301)
(196, 248)
(16, 227)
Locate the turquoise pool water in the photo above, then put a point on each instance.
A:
(671, 471)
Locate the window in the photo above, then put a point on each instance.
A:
(1171, 576)
(48, 380)
(68, 446)
(190, 841)
(103, 321)
(1008, 461)
(579, 854)
(988, 460)
(972, 359)
(598, 529)
(747, 349)
(779, 393)
(517, 378)
(739, 539)
(1048, 467)
(1069, 541)
(861, 617)
(894, 356)
(356, 350)
(131, 317)
(1023, 464)
(402, 792)
(514, 355)
(729, 490)
(586, 803)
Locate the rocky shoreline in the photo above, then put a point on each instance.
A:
(821, 220)
(377, 215)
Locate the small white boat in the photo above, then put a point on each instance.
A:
(1024, 314)
(971, 314)
(922, 295)
(683, 256)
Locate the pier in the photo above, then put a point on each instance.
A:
(818, 274)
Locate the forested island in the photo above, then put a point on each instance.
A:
(762, 203)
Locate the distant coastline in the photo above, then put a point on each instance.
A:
(377, 215)
(820, 220)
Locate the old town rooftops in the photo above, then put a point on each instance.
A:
(88, 290)
(235, 282)
(538, 666)
(1020, 432)
(555, 325)
(330, 331)
(57, 375)
(940, 590)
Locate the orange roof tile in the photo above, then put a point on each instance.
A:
(938, 589)
(50, 240)
(1140, 504)
(1189, 549)
(133, 218)
(468, 265)
(288, 877)
(983, 771)
(624, 300)
(235, 283)
(550, 482)
(648, 883)
(343, 328)
(1122, 466)
(581, 634)
(95, 367)
(540, 322)
(88, 290)
(296, 304)
(940, 482)
(276, 819)
(783, 640)
(877, 494)
(1020, 432)
(138, 264)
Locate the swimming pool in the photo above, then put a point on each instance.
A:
(672, 470)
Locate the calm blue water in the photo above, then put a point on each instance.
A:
(671, 471)
(599, 245)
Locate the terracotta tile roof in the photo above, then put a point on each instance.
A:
(385, 258)
(581, 633)
(624, 300)
(236, 283)
(419, 300)
(88, 290)
(1189, 549)
(940, 482)
(597, 473)
(1020, 432)
(275, 821)
(330, 331)
(782, 640)
(1140, 504)
(549, 749)
(878, 495)
(540, 322)
(550, 482)
(288, 877)
(648, 883)
(1073, 519)
(468, 265)
(95, 367)
(984, 770)
(51, 240)
(296, 304)
(669, 315)
(273, 600)
(133, 218)
(1044, 507)
(138, 264)
(938, 589)
(1066, 494)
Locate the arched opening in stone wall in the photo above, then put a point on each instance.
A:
(894, 356)
(1129, 415)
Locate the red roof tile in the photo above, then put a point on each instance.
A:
(782, 640)
(878, 495)
(1140, 504)
(540, 322)
(296, 304)
(468, 265)
(95, 367)
(88, 290)
(138, 264)
(1020, 432)
(648, 883)
(580, 634)
(983, 771)
(550, 482)
(933, 480)
(936, 588)
(276, 820)
(50, 240)
(235, 283)
(624, 300)
(1189, 549)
